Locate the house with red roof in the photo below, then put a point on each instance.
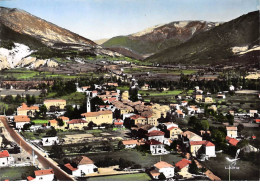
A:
(132, 143)
(156, 147)
(206, 148)
(81, 166)
(77, 124)
(231, 131)
(155, 135)
(162, 167)
(183, 167)
(118, 123)
(5, 159)
(232, 141)
(27, 110)
(20, 121)
(257, 121)
(44, 175)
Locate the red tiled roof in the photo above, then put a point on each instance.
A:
(54, 100)
(232, 141)
(112, 99)
(4, 154)
(205, 143)
(83, 160)
(53, 121)
(183, 163)
(29, 178)
(94, 114)
(43, 172)
(155, 133)
(153, 142)
(162, 164)
(70, 167)
(129, 142)
(253, 137)
(64, 118)
(154, 173)
(21, 118)
(231, 128)
(171, 128)
(76, 121)
(25, 107)
(257, 120)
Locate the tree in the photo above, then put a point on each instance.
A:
(240, 127)
(18, 99)
(204, 125)
(193, 121)
(43, 110)
(96, 101)
(193, 169)
(52, 132)
(60, 122)
(242, 143)
(120, 145)
(230, 119)
(162, 177)
(57, 152)
(8, 99)
(218, 135)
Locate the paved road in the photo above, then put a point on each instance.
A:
(59, 173)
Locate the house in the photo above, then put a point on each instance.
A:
(131, 143)
(231, 88)
(196, 88)
(232, 141)
(81, 166)
(252, 113)
(174, 132)
(183, 167)
(180, 114)
(257, 121)
(99, 117)
(55, 104)
(206, 148)
(54, 124)
(49, 141)
(208, 100)
(5, 159)
(138, 119)
(231, 132)
(175, 106)
(156, 147)
(198, 98)
(162, 167)
(145, 87)
(184, 103)
(27, 110)
(213, 107)
(192, 109)
(190, 136)
(64, 119)
(77, 124)
(199, 91)
(222, 96)
(20, 121)
(156, 135)
(118, 123)
(125, 95)
(45, 175)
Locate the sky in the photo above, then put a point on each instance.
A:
(97, 19)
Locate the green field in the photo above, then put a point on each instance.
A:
(159, 70)
(15, 173)
(158, 93)
(73, 98)
(125, 177)
(40, 121)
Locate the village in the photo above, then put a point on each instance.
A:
(114, 131)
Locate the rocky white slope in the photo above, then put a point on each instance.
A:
(19, 56)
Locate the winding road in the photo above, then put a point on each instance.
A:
(46, 162)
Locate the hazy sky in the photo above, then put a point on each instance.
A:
(96, 19)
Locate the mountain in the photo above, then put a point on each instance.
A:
(160, 37)
(23, 35)
(47, 33)
(217, 45)
(101, 41)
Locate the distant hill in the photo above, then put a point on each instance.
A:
(216, 45)
(160, 37)
(101, 41)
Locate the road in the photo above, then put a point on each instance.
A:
(46, 163)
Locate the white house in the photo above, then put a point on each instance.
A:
(157, 148)
(20, 121)
(162, 167)
(169, 125)
(184, 103)
(5, 159)
(206, 148)
(231, 88)
(231, 132)
(180, 114)
(49, 141)
(223, 96)
(131, 143)
(252, 113)
(81, 166)
(190, 136)
(156, 135)
(192, 109)
(45, 175)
